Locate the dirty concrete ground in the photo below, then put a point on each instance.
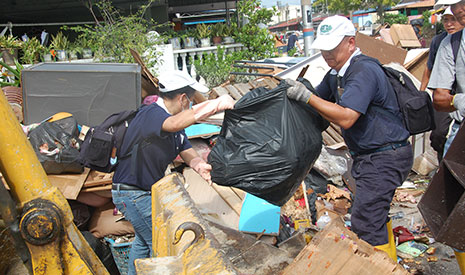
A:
(446, 263)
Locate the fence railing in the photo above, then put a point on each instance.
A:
(182, 57)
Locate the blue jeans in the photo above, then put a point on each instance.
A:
(453, 133)
(136, 207)
(377, 176)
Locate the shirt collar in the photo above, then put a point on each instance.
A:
(161, 103)
(343, 70)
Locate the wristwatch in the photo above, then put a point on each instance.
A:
(452, 101)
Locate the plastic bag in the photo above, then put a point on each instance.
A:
(267, 144)
(57, 151)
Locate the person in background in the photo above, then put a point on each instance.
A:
(442, 120)
(382, 156)
(293, 41)
(155, 137)
(449, 72)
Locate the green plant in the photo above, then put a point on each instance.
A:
(218, 29)
(59, 41)
(216, 68)
(114, 34)
(31, 51)
(395, 18)
(228, 30)
(9, 42)
(427, 29)
(10, 76)
(203, 31)
(258, 40)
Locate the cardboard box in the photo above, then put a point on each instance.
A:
(404, 36)
(384, 52)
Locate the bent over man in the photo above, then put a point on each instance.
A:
(156, 135)
(357, 96)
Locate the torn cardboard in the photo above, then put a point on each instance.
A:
(337, 250)
(404, 36)
(380, 50)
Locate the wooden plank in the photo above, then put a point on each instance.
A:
(243, 88)
(327, 139)
(228, 195)
(270, 83)
(337, 250)
(239, 192)
(336, 127)
(69, 184)
(335, 135)
(95, 189)
(208, 201)
(233, 92)
(217, 92)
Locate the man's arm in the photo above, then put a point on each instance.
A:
(425, 79)
(342, 116)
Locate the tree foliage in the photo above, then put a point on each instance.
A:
(112, 36)
(254, 35)
(399, 18)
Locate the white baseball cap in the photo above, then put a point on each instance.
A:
(331, 31)
(441, 3)
(172, 80)
(448, 11)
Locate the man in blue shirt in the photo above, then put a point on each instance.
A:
(292, 41)
(350, 96)
(158, 131)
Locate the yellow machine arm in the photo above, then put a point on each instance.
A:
(45, 222)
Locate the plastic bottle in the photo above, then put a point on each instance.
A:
(323, 221)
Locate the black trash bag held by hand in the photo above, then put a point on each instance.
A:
(56, 149)
(267, 145)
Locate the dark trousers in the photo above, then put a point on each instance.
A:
(438, 136)
(377, 176)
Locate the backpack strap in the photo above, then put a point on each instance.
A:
(455, 44)
(375, 107)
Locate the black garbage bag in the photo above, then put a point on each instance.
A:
(57, 151)
(267, 144)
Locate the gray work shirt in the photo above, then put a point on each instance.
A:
(445, 71)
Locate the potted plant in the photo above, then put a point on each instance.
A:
(9, 46)
(203, 34)
(228, 33)
(217, 33)
(188, 38)
(74, 50)
(12, 75)
(60, 43)
(31, 50)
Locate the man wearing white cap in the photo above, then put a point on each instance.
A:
(158, 132)
(352, 95)
(448, 75)
(442, 120)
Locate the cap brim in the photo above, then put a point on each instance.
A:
(326, 43)
(441, 3)
(200, 88)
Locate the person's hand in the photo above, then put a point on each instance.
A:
(202, 168)
(210, 107)
(297, 91)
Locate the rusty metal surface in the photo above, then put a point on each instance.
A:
(443, 204)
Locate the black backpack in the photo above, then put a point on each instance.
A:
(101, 147)
(416, 106)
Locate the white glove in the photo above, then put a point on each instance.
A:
(297, 91)
(210, 107)
(202, 168)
